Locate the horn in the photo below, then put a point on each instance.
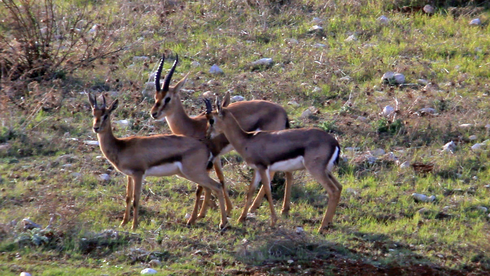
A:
(218, 104)
(166, 82)
(159, 74)
(92, 99)
(209, 108)
(103, 101)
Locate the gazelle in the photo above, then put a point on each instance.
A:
(310, 149)
(158, 155)
(252, 115)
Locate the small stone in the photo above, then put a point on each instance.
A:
(422, 81)
(25, 274)
(473, 137)
(29, 224)
(351, 38)
(377, 152)
(140, 58)
(423, 198)
(237, 98)
(405, 165)
(123, 123)
(292, 41)
(104, 177)
(387, 110)
(383, 19)
(293, 103)
(428, 9)
(215, 70)
(319, 45)
(306, 114)
(351, 191)
(449, 147)
(427, 110)
(187, 216)
(475, 22)
(317, 21)
(361, 118)
(207, 95)
(478, 147)
(299, 230)
(155, 263)
(316, 28)
(195, 64)
(393, 78)
(149, 89)
(263, 62)
(483, 209)
(465, 125)
(148, 271)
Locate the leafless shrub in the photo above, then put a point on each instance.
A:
(42, 40)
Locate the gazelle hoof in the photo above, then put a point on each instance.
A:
(325, 228)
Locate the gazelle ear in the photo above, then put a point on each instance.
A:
(226, 99)
(180, 84)
(92, 100)
(113, 106)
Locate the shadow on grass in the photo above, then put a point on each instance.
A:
(296, 252)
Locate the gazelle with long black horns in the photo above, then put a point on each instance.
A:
(158, 155)
(252, 115)
(310, 149)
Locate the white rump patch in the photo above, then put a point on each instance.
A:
(289, 165)
(165, 170)
(334, 156)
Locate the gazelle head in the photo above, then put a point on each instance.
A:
(216, 118)
(101, 113)
(166, 95)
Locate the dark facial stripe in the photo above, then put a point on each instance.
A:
(291, 154)
(172, 159)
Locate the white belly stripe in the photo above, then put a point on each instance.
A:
(165, 170)
(289, 165)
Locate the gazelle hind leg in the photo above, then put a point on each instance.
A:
(207, 182)
(286, 204)
(129, 199)
(334, 190)
(251, 190)
(194, 215)
(205, 203)
(221, 177)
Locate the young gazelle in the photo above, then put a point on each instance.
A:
(252, 115)
(158, 155)
(284, 150)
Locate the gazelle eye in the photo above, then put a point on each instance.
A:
(167, 100)
(211, 121)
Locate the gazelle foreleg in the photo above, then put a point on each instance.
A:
(286, 204)
(137, 183)
(251, 190)
(129, 199)
(266, 183)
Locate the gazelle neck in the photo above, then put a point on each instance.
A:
(108, 142)
(178, 119)
(237, 137)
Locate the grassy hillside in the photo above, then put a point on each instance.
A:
(327, 76)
